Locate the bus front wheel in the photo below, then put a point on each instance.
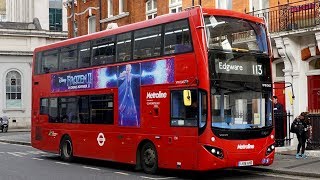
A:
(66, 150)
(149, 158)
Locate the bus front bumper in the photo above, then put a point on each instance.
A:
(209, 161)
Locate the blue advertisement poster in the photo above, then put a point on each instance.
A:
(105, 77)
(128, 78)
(72, 81)
(129, 81)
(157, 72)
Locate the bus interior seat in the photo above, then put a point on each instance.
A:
(182, 48)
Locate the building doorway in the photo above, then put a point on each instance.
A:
(280, 119)
(314, 94)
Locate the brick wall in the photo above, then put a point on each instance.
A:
(240, 5)
(137, 10)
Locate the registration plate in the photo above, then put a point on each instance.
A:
(245, 163)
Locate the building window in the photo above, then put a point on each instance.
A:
(13, 90)
(175, 6)
(91, 24)
(224, 4)
(151, 9)
(314, 65)
(279, 69)
(3, 14)
(55, 15)
(122, 6)
(110, 8)
(256, 5)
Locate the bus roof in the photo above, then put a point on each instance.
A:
(152, 22)
(229, 13)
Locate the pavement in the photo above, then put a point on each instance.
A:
(16, 136)
(285, 161)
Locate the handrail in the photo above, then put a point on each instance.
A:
(291, 16)
(278, 6)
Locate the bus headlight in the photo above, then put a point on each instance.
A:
(270, 149)
(215, 151)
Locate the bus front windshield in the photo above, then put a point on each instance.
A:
(241, 90)
(240, 75)
(229, 34)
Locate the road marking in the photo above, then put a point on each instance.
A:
(87, 167)
(36, 152)
(21, 145)
(62, 163)
(14, 154)
(145, 177)
(122, 173)
(271, 174)
(38, 159)
(284, 176)
(21, 153)
(3, 143)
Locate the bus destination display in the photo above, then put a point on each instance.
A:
(239, 67)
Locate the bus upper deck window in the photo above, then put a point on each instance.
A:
(177, 37)
(50, 61)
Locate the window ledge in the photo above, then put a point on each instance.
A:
(119, 16)
(174, 5)
(14, 109)
(313, 72)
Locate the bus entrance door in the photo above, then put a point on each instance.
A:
(183, 134)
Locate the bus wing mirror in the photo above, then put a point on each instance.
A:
(187, 97)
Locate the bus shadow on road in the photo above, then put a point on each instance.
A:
(173, 174)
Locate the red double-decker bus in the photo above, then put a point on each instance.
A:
(190, 90)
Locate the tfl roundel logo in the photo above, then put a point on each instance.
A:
(101, 139)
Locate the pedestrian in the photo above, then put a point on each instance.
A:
(279, 121)
(301, 126)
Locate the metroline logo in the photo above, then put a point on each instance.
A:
(152, 95)
(245, 146)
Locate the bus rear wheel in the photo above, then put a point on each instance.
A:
(66, 150)
(149, 158)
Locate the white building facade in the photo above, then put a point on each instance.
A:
(25, 25)
(295, 39)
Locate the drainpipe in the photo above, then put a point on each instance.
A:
(100, 14)
(73, 19)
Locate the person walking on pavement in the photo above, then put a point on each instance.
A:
(301, 126)
(279, 122)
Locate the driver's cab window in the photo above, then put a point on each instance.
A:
(182, 115)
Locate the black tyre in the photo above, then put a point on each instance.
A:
(66, 149)
(5, 129)
(149, 158)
